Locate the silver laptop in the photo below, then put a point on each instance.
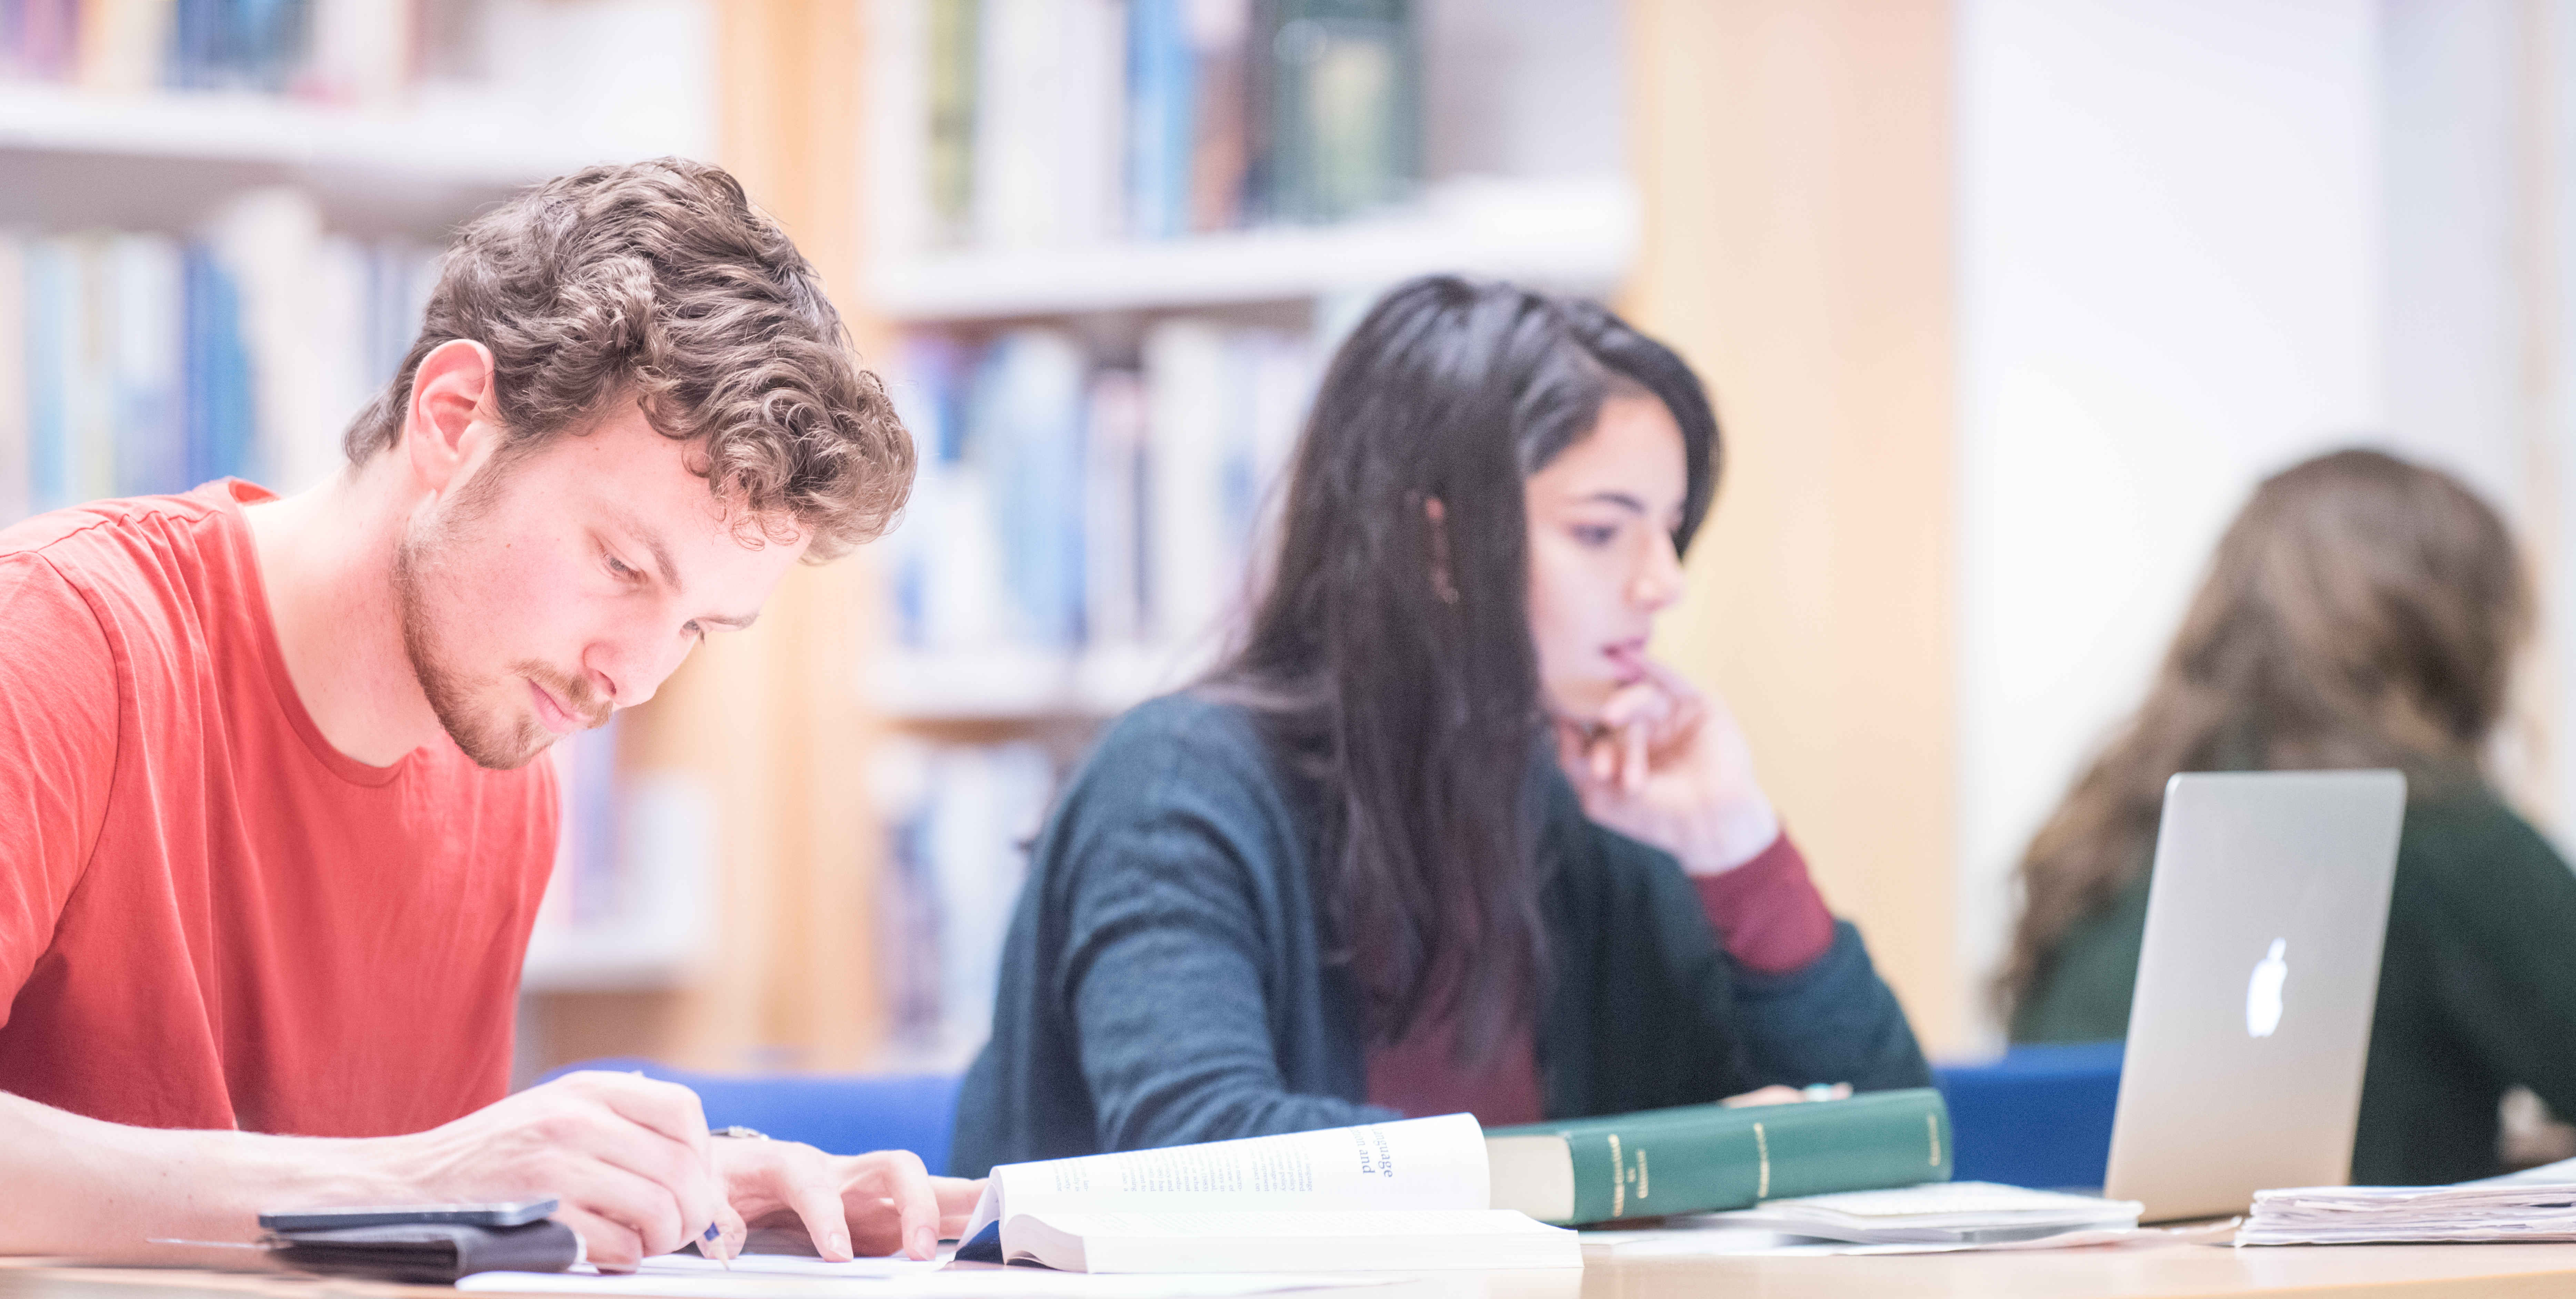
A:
(2256, 984)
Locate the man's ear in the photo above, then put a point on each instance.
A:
(451, 418)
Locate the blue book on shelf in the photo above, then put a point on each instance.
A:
(1027, 435)
(1161, 92)
(218, 416)
(53, 326)
(146, 286)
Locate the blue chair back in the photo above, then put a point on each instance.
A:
(845, 1114)
(2040, 1116)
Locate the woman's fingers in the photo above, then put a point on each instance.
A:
(1636, 768)
(1571, 753)
(1775, 1094)
(1782, 1094)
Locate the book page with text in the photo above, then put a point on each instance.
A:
(1436, 1163)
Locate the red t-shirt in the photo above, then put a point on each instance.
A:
(209, 917)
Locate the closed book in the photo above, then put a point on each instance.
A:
(1345, 132)
(1699, 1158)
(951, 35)
(1162, 96)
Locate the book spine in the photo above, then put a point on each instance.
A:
(950, 157)
(1709, 1158)
(1160, 99)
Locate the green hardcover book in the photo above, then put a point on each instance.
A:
(1701, 1158)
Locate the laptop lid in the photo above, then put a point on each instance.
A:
(2256, 983)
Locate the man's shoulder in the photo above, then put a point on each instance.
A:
(121, 542)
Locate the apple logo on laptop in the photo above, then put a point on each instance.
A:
(2263, 991)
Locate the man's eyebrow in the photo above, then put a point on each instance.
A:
(651, 536)
(634, 526)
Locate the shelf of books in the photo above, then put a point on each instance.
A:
(1118, 239)
(218, 225)
(461, 142)
(1575, 232)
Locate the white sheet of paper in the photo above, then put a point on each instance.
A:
(786, 1265)
(1693, 1241)
(960, 1283)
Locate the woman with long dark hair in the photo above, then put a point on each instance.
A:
(1438, 835)
(2361, 612)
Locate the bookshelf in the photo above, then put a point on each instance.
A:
(310, 184)
(1037, 312)
(1578, 233)
(467, 142)
(1019, 683)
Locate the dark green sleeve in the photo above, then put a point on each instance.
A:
(2496, 908)
(2082, 994)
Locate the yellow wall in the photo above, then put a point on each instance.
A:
(1795, 157)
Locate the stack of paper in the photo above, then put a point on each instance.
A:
(2351, 1215)
(2562, 1173)
(1938, 1213)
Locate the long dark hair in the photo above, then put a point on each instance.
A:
(2362, 611)
(1390, 656)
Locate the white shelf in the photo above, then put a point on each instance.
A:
(606, 958)
(487, 144)
(1578, 234)
(1015, 684)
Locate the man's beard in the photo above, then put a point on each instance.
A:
(498, 738)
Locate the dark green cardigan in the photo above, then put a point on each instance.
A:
(2477, 989)
(1165, 982)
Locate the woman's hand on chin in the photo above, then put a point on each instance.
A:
(1667, 765)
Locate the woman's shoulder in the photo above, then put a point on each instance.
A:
(2464, 834)
(1180, 729)
(1184, 749)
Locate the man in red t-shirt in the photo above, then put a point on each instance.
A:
(272, 828)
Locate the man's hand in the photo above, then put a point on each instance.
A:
(849, 1205)
(629, 1157)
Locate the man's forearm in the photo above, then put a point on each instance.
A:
(76, 1186)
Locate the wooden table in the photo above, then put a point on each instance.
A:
(2371, 1271)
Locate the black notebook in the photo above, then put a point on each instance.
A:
(430, 1252)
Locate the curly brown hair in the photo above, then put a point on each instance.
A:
(2362, 611)
(658, 282)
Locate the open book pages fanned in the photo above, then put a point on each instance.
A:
(2353, 1215)
(1407, 1195)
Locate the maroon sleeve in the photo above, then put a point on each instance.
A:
(1767, 911)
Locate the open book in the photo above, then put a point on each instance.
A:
(1412, 1194)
